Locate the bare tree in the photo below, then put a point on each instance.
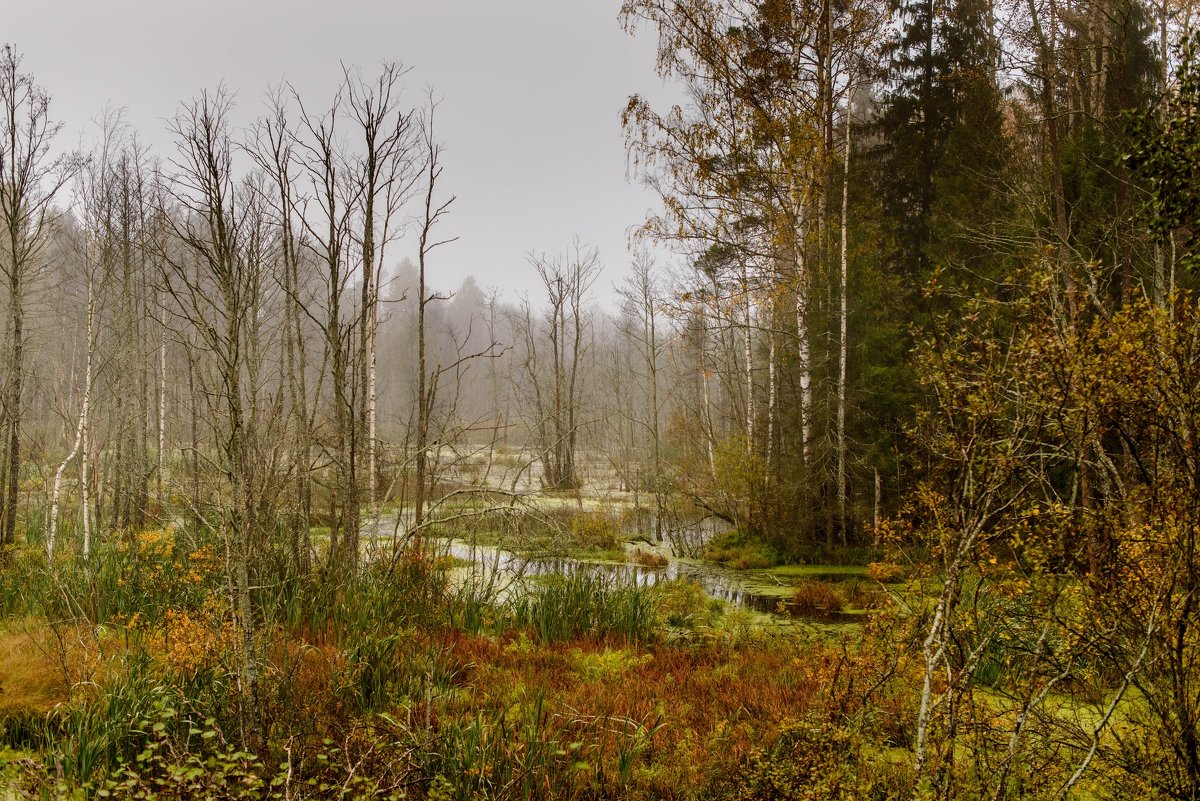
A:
(30, 178)
(326, 211)
(385, 176)
(434, 211)
(640, 296)
(553, 388)
(217, 290)
(273, 149)
(93, 200)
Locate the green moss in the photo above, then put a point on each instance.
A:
(684, 604)
(738, 551)
(607, 664)
(827, 572)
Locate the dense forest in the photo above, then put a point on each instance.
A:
(879, 479)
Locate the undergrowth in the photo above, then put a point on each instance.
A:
(392, 681)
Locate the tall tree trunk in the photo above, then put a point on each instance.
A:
(422, 444)
(194, 456)
(372, 409)
(85, 487)
(1047, 56)
(432, 213)
(804, 353)
(366, 331)
(842, 339)
(162, 414)
(8, 515)
(80, 429)
(655, 433)
(772, 403)
(748, 360)
(878, 503)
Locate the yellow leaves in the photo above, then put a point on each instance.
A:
(158, 564)
(156, 543)
(189, 640)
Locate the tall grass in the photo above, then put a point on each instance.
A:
(472, 606)
(141, 574)
(91, 734)
(339, 606)
(526, 752)
(584, 604)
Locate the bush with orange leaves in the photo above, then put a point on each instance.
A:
(885, 572)
(152, 571)
(188, 640)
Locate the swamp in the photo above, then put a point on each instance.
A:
(850, 451)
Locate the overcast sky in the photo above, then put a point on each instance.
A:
(532, 93)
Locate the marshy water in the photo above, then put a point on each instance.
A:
(760, 590)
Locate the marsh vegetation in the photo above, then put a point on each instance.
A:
(886, 486)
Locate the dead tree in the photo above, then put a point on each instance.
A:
(216, 288)
(434, 210)
(30, 178)
(385, 177)
(552, 380)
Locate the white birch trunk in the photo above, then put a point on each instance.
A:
(841, 386)
(878, 499)
(748, 355)
(58, 474)
(80, 428)
(162, 407)
(804, 358)
(85, 489)
(709, 433)
(708, 425)
(771, 402)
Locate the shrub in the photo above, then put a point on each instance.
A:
(738, 551)
(595, 531)
(606, 665)
(195, 764)
(885, 572)
(683, 603)
(142, 574)
(814, 595)
(650, 558)
(814, 759)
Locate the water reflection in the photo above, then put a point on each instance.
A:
(497, 564)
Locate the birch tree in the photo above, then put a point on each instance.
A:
(386, 174)
(31, 176)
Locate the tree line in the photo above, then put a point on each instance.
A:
(839, 180)
(842, 177)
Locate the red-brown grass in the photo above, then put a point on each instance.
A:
(817, 596)
(31, 678)
(649, 558)
(714, 704)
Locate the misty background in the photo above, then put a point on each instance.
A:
(531, 94)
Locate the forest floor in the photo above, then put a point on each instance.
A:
(617, 671)
(558, 653)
